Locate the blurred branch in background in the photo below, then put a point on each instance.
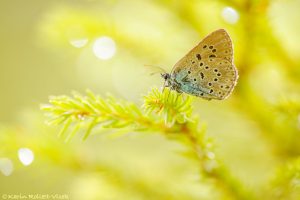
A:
(56, 153)
(286, 183)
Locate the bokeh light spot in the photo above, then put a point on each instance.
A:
(230, 15)
(6, 166)
(211, 155)
(26, 156)
(104, 48)
(78, 43)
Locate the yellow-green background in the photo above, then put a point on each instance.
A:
(256, 130)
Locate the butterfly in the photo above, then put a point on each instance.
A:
(207, 70)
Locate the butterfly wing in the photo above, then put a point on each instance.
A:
(207, 70)
(215, 79)
(217, 44)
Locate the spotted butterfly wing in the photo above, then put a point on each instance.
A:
(207, 70)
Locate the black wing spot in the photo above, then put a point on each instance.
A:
(221, 86)
(206, 67)
(211, 47)
(201, 64)
(193, 62)
(215, 79)
(219, 74)
(201, 94)
(227, 86)
(195, 79)
(211, 91)
(214, 50)
(189, 72)
(209, 84)
(202, 75)
(212, 56)
(216, 70)
(198, 56)
(204, 46)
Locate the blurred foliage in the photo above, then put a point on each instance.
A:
(246, 147)
(287, 182)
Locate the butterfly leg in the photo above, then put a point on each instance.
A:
(164, 86)
(169, 91)
(177, 98)
(183, 99)
(179, 95)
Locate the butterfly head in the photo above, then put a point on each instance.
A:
(165, 76)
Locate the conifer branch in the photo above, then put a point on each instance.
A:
(168, 113)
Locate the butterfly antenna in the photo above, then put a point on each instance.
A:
(156, 68)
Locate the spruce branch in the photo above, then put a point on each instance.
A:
(91, 110)
(167, 113)
(170, 105)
